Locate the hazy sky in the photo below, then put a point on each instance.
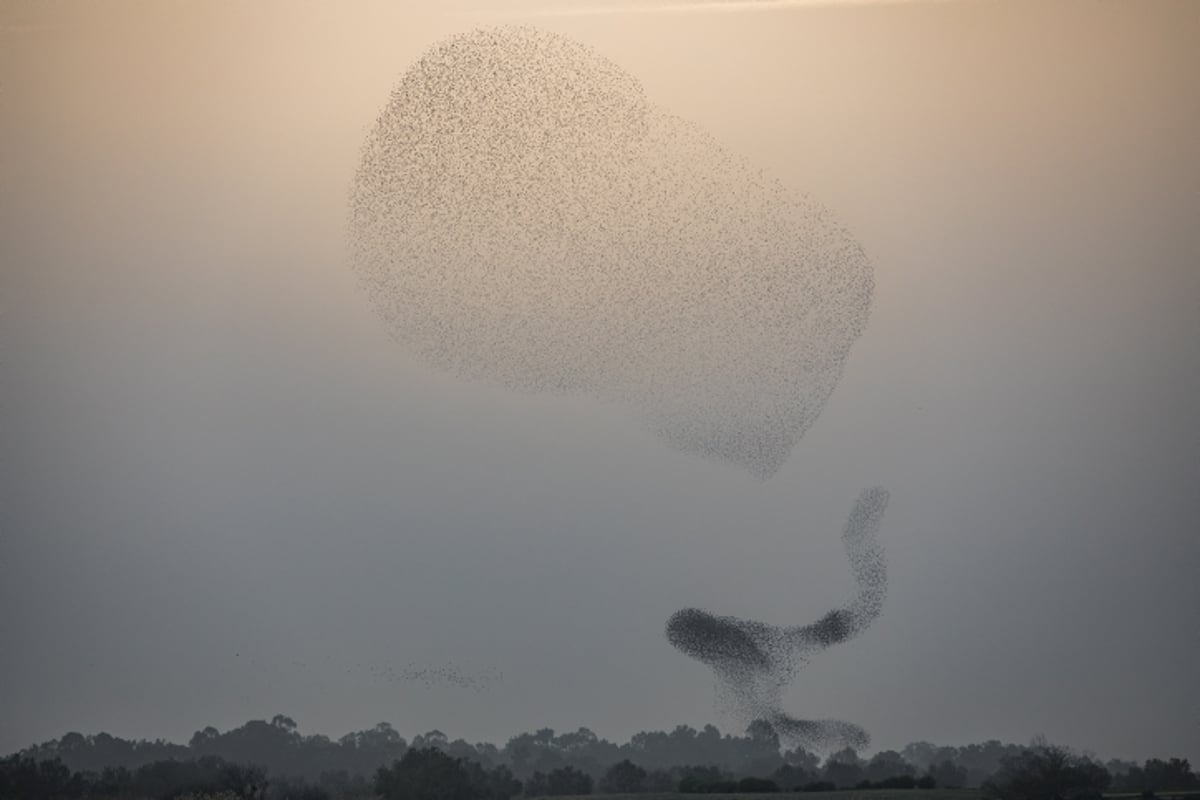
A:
(229, 494)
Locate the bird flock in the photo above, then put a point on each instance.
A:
(439, 675)
(754, 662)
(523, 215)
(447, 674)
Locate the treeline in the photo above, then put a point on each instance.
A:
(541, 764)
(25, 778)
(421, 774)
(279, 747)
(1037, 772)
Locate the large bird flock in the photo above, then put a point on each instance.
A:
(522, 215)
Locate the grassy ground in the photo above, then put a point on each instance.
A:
(852, 794)
(847, 794)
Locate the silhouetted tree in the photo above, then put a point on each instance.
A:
(660, 781)
(22, 777)
(363, 752)
(1046, 772)
(843, 768)
(887, 764)
(1157, 775)
(424, 774)
(705, 780)
(799, 757)
(166, 779)
(624, 777)
(757, 785)
(790, 777)
(497, 783)
(430, 774)
(560, 782)
(948, 775)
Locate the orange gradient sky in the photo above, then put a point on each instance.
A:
(218, 448)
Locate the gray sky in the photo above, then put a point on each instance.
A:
(230, 494)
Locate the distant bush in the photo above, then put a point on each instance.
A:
(624, 777)
(659, 781)
(693, 786)
(757, 785)
(292, 789)
(559, 783)
(790, 777)
(23, 777)
(1046, 772)
(948, 775)
(818, 786)
(430, 774)
(1158, 775)
(705, 780)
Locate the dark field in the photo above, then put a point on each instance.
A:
(854, 794)
(848, 794)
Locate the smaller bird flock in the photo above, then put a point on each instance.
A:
(439, 675)
(755, 662)
(446, 674)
